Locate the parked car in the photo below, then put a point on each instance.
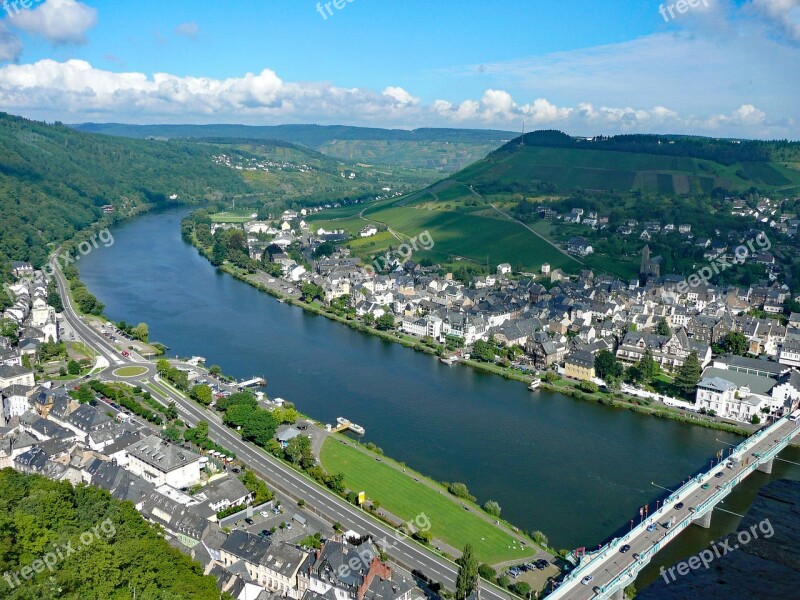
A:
(587, 580)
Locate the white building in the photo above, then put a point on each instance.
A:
(160, 462)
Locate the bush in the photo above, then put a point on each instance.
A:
(487, 572)
(588, 386)
(492, 507)
(521, 588)
(459, 490)
(539, 538)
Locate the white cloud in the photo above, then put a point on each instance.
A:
(783, 14)
(58, 21)
(189, 30)
(400, 95)
(76, 91)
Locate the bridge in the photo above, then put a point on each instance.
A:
(606, 572)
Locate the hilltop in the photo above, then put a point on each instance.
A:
(552, 161)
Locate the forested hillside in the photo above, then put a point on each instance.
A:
(116, 553)
(54, 181)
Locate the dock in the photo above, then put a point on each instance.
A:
(254, 382)
(343, 424)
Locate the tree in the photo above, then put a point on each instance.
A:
(201, 393)
(141, 332)
(735, 343)
(487, 572)
(171, 411)
(385, 322)
(311, 291)
(492, 507)
(663, 328)
(215, 370)
(459, 490)
(163, 366)
(755, 420)
(260, 427)
(218, 253)
(689, 375)
(324, 249)
(73, 368)
(467, 578)
(607, 367)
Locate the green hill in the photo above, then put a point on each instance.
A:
(551, 162)
(54, 181)
(445, 150)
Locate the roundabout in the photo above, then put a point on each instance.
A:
(130, 371)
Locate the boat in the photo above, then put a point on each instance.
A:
(449, 361)
(342, 421)
(357, 429)
(535, 384)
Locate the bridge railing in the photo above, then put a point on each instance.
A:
(692, 484)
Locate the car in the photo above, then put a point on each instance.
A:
(704, 486)
(264, 514)
(587, 580)
(625, 548)
(679, 506)
(720, 474)
(651, 527)
(125, 353)
(288, 526)
(249, 521)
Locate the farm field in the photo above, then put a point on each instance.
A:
(399, 494)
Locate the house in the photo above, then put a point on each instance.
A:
(579, 246)
(273, 566)
(369, 231)
(580, 365)
(668, 351)
(224, 493)
(15, 375)
(504, 269)
(16, 401)
(352, 570)
(160, 462)
(544, 351)
(723, 398)
(789, 353)
(21, 269)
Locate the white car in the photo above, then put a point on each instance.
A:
(264, 514)
(587, 580)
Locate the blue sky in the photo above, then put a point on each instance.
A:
(719, 67)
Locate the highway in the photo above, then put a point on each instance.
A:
(318, 499)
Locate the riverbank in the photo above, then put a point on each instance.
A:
(614, 400)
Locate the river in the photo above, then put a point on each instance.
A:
(572, 469)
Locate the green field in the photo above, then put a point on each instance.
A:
(399, 494)
(480, 238)
(238, 216)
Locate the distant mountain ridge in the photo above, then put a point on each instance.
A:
(312, 136)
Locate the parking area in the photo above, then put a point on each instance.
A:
(285, 523)
(535, 573)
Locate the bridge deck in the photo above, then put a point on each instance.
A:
(611, 570)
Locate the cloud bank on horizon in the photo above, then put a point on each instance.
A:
(727, 69)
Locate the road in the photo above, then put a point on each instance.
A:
(677, 513)
(319, 499)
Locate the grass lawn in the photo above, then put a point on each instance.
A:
(130, 371)
(399, 494)
(232, 217)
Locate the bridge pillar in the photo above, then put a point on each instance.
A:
(704, 521)
(765, 467)
(619, 594)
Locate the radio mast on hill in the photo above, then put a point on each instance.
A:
(522, 139)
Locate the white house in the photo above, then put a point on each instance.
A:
(504, 269)
(15, 375)
(160, 462)
(369, 231)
